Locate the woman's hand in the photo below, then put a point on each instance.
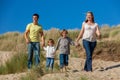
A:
(77, 44)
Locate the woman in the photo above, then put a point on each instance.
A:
(88, 34)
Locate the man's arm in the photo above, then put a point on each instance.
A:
(26, 36)
(42, 38)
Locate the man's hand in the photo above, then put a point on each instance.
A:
(43, 44)
(27, 41)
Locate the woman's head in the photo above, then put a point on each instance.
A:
(89, 16)
(50, 42)
(64, 33)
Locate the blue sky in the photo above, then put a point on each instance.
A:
(68, 14)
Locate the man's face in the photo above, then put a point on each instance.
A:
(35, 18)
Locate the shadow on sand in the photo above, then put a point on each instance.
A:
(110, 67)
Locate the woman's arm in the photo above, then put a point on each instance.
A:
(80, 34)
(98, 32)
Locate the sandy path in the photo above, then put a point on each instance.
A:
(16, 76)
(101, 71)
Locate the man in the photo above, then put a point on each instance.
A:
(32, 36)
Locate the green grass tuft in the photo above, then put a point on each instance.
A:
(16, 64)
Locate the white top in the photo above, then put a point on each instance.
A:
(50, 51)
(90, 32)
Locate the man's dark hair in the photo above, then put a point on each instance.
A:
(36, 15)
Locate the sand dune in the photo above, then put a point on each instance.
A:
(102, 70)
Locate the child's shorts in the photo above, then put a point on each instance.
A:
(63, 60)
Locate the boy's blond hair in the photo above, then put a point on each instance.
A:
(64, 30)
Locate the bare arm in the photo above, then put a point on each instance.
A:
(45, 48)
(26, 36)
(98, 33)
(42, 38)
(57, 45)
(80, 34)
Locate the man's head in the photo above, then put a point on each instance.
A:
(35, 17)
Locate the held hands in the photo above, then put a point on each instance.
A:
(77, 44)
(43, 44)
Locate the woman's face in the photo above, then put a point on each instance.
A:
(89, 16)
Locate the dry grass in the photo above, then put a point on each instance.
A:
(107, 49)
(12, 41)
(105, 31)
(111, 33)
(53, 33)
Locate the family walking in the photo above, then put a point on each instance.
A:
(89, 34)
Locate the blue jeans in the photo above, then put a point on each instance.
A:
(63, 60)
(89, 48)
(33, 48)
(49, 63)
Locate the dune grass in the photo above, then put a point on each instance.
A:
(16, 64)
(110, 33)
(14, 41)
(83, 78)
(34, 73)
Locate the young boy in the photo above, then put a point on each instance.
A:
(63, 45)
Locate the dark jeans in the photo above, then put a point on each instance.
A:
(63, 60)
(33, 48)
(49, 63)
(89, 48)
